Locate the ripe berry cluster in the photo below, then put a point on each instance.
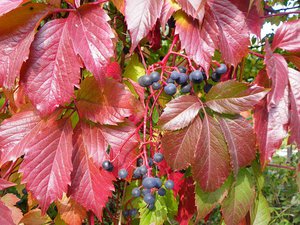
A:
(181, 78)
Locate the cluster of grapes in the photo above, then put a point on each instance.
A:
(181, 78)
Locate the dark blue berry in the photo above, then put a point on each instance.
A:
(169, 184)
(146, 191)
(170, 89)
(155, 76)
(182, 69)
(122, 173)
(139, 162)
(149, 182)
(158, 182)
(136, 192)
(149, 199)
(174, 75)
(186, 88)
(126, 213)
(137, 173)
(150, 162)
(151, 206)
(196, 76)
(215, 77)
(161, 191)
(221, 69)
(133, 212)
(207, 88)
(183, 78)
(158, 157)
(143, 170)
(107, 165)
(145, 81)
(156, 86)
(170, 81)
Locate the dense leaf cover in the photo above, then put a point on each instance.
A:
(91, 88)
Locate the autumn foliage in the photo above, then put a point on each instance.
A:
(70, 100)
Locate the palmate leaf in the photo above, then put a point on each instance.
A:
(47, 163)
(5, 184)
(260, 211)
(6, 215)
(107, 102)
(52, 69)
(194, 8)
(17, 33)
(169, 7)
(287, 36)
(180, 112)
(90, 185)
(91, 36)
(16, 134)
(234, 97)
(8, 5)
(141, 16)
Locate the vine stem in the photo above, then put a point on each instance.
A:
(281, 14)
(91, 218)
(257, 54)
(281, 166)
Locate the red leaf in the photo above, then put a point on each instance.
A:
(194, 8)
(234, 97)
(180, 112)
(168, 8)
(114, 70)
(186, 208)
(6, 215)
(47, 163)
(294, 80)
(92, 36)
(16, 133)
(295, 59)
(277, 70)
(122, 139)
(106, 103)
(17, 32)
(241, 141)
(5, 184)
(287, 36)
(270, 127)
(90, 186)
(141, 16)
(211, 166)
(8, 5)
(53, 69)
(179, 146)
(232, 30)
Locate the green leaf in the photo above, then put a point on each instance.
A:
(165, 206)
(239, 201)
(260, 212)
(207, 201)
(134, 69)
(260, 180)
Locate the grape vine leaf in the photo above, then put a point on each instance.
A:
(234, 97)
(17, 33)
(239, 200)
(178, 147)
(70, 211)
(10, 201)
(270, 127)
(180, 112)
(107, 102)
(277, 70)
(35, 217)
(207, 201)
(120, 5)
(6, 215)
(5, 184)
(47, 163)
(90, 185)
(52, 69)
(186, 207)
(295, 59)
(91, 36)
(287, 36)
(211, 165)
(194, 8)
(260, 211)
(16, 133)
(8, 5)
(134, 68)
(168, 8)
(294, 81)
(143, 19)
(241, 141)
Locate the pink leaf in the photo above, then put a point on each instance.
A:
(180, 112)
(16, 133)
(8, 5)
(234, 97)
(294, 80)
(141, 16)
(90, 186)
(47, 164)
(92, 36)
(270, 126)
(53, 69)
(106, 103)
(179, 147)
(168, 8)
(240, 138)
(6, 215)
(287, 36)
(17, 32)
(194, 8)
(277, 70)
(5, 184)
(211, 165)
